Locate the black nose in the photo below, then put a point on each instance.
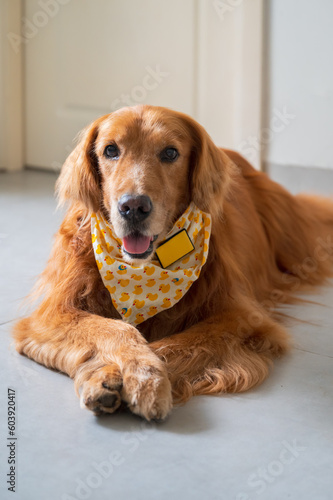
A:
(135, 208)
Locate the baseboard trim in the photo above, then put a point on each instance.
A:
(41, 169)
(302, 179)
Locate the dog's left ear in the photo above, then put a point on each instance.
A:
(211, 171)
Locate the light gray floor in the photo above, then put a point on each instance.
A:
(275, 442)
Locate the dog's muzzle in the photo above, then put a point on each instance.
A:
(134, 210)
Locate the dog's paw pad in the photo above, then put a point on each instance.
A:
(101, 393)
(109, 400)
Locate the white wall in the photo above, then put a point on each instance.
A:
(300, 81)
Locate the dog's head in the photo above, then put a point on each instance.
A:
(142, 166)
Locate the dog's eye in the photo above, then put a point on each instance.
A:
(169, 154)
(112, 152)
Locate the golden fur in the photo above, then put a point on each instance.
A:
(223, 335)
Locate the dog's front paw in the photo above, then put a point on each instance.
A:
(147, 391)
(101, 392)
(141, 383)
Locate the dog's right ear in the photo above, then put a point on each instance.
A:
(211, 170)
(79, 177)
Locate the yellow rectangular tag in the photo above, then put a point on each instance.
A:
(174, 248)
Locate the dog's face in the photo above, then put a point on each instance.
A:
(144, 168)
(143, 165)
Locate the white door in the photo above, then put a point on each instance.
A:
(84, 58)
(94, 56)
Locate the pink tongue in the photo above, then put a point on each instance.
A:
(136, 244)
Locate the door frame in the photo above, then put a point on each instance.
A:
(237, 25)
(11, 86)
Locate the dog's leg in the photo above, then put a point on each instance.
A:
(231, 353)
(109, 360)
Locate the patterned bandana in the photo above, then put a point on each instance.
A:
(139, 293)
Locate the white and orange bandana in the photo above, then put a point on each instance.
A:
(139, 293)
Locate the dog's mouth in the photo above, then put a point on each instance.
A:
(138, 246)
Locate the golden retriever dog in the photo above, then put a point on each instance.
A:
(140, 168)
